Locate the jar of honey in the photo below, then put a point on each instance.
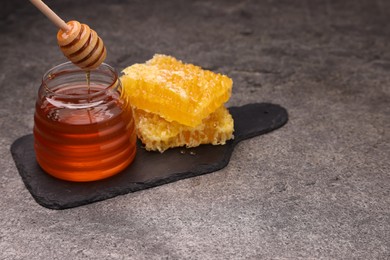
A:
(83, 130)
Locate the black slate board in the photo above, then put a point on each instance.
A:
(149, 169)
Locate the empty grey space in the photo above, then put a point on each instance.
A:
(317, 188)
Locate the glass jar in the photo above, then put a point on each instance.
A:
(83, 131)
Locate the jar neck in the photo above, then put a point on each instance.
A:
(70, 84)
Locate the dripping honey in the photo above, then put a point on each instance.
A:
(88, 78)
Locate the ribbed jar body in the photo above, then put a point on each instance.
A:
(83, 132)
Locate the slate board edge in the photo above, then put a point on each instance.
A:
(134, 187)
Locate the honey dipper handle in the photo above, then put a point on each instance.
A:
(50, 14)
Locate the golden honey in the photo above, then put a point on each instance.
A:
(83, 132)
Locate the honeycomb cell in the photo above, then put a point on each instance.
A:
(158, 134)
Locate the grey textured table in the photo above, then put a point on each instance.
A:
(317, 188)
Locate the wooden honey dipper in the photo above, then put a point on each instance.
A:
(80, 44)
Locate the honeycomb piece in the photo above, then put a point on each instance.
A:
(179, 92)
(158, 134)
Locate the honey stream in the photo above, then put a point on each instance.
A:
(88, 78)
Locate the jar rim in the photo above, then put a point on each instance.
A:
(67, 67)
